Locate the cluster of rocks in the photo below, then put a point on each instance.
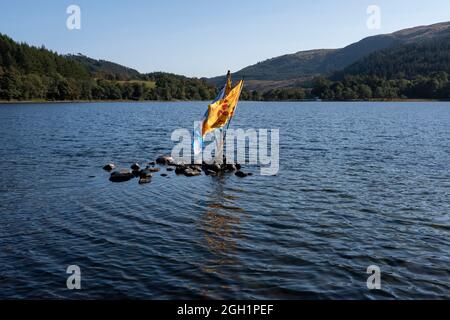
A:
(210, 169)
(122, 175)
(189, 170)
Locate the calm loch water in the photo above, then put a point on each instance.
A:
(359, 184)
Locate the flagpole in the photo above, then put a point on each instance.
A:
(226, 89)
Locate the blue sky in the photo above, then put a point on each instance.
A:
(206, 38)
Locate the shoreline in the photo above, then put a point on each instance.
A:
(8, 102)
(87, 101)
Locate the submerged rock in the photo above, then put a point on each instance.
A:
(180, 169)
(241, 174)
(135, 167)
(191, 173)
(212, 166)
(109, 167)
(146, 173)
(169, 169)
(197, 167)
(165, 160)
(136, 173)
(121, 176)
(145, 180)
(209, 172)
(151, 163)
(163, 175)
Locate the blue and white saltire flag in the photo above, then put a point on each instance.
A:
(198, 137)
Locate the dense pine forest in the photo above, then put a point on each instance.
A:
(30, 73)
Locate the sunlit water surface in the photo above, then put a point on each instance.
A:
(359, 184)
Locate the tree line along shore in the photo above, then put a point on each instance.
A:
(35, 74)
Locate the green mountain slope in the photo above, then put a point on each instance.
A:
(288, 66)
(298, 69)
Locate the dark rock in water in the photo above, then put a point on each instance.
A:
(240, 174)
(153, 169)
(230, 167)
(169, 169)
(109, 167)
(238, 166)
(196, 167)
(121, 176)
(189, 170)
(165, 160)
(136, 173)
(145, 180)
(152, 163)
(180, 169)
(163, 175)
(191, 173)
(249, 174)
(135, 167)
(213, 166)
(209, 172)
(146, 173)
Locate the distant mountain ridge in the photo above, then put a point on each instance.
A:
(295, 70)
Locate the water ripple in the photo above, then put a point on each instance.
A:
(359, 184)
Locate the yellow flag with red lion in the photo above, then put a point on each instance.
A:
(222, 110)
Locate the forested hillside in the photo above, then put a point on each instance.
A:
(417, 70)
(298, 69)
(105, 69)
(406, 61)
(31, 73)
(412, 63)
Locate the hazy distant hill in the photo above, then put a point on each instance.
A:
(293, 70)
